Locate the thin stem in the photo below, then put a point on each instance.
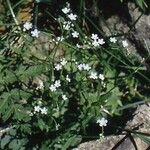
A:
(12, 13)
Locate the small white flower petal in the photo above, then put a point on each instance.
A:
(75, 34)
(125, 43)
(72, 16)
(27, 26)
(35, 33)
(52, 88)
(102, 122)
(113, 40)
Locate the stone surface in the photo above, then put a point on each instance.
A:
(134, 26)
(141, 120)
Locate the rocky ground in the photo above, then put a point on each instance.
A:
(141, 120)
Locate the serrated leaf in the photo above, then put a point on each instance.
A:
(32, 71)
(8, 114)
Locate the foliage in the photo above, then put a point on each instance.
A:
(51, 93)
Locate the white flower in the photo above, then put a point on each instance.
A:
(63, 61)
(125, 43)
(80, 67)
(64, 97)
(37, 108)
(67, 25)
(93, 75)
(44, 110)
(57, 83)
(58, 67)
(35, 33)
(78, 46)
(66, 10)
(101, 76)
(27, 26)
(113, 40)
(86, 67)
(52, 88)
(68, 79)
(75, 34)
(95, 43)
(72, 16)
(101, 41)
(102, 122)
(94, 37)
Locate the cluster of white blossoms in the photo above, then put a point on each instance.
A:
(27, 26)
(84, 66)
(123, 42)
(54, 86)
(69, 25)
(96, 41)
(94, 75)
(39, 109)
(62, 63)
(102, 122)
(66, 10)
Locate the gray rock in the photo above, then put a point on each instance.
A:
(141, 119)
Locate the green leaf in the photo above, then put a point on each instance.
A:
(113, 100)
(15, 145)
(31, 71)
(141, 3)
(72, 141)
(20, 113)
(8, 114)
(41, 124)
(5, 141)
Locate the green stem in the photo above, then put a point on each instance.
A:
(12, 13)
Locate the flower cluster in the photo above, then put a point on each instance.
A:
(28, 26)
(96, 41)
(54, 86)
(66, 10)
(94, 75)
(102, 122)
(62, 63)
(42, 110)
(69, 24)
(84, 66)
